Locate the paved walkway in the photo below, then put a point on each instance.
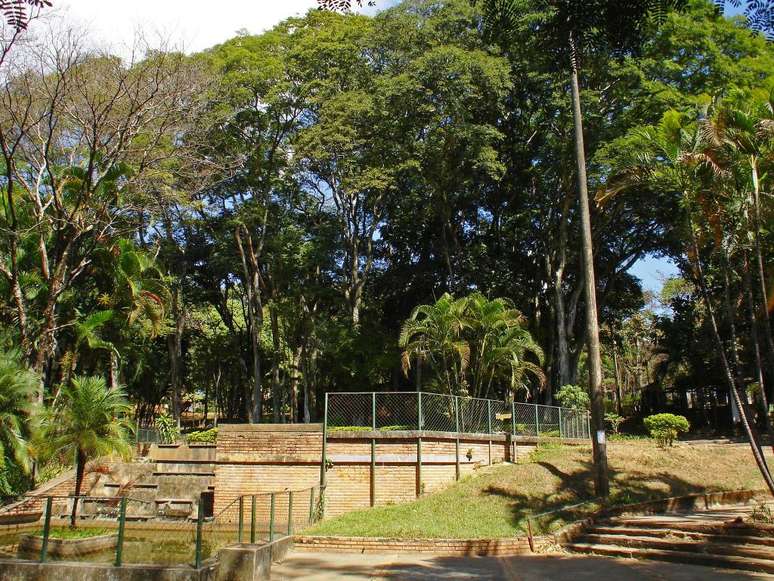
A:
(349, 567)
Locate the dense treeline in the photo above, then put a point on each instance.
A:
(249, 227)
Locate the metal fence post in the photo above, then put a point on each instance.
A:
(252, 520)
(560, 423)
(311, 505)
(588, 425)
(46, 529)
(513, 418)
(420, 425)
(324, 459)
(489, 414)
(290, 512)
(241, 518)
(457, 439)
(121, 526)
(373, 452)
(373, 411)
(272, 502)
(537, 422)
(199, 526)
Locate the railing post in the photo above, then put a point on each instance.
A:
(199, 526)
(290, 513)
(46, 529)
(456, 414)
(272, 503)
(121, 526)
(241, 518)
(537, 422)
(420, 424)
(252, 520)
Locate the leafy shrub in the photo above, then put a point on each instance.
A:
(574, 397)
(664, 428)
(613, 422)
(203, 436)
(169, 431)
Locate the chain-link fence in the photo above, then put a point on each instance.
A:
(386, 411)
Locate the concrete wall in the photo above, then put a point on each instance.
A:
(16, 570)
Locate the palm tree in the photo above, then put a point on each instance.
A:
(503, 349)
(89, 420)
(18, 388)
(676, 156)
(435, 334)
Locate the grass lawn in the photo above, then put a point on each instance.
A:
(496, 501)
(67, 533)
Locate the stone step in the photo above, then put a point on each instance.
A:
(676, 533)
(685, 557)
(697, 526)
(691, 546)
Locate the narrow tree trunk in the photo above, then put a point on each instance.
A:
(80, 467)
(601, 478)
(756, 343)
(749, 429)
(275, 367)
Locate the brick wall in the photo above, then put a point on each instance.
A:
(254, 459)
(449, 547)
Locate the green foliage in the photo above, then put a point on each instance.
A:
(90, 418)
(169, 430)
(613, 422)
(573, 397)
(18, 387)
(202, 436)
(473, 345)
(664, 428)
(67, 533)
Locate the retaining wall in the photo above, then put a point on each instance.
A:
(365, 468)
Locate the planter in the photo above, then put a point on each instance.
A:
(17, 518)
(31, 544)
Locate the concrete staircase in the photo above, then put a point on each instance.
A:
(721, 537)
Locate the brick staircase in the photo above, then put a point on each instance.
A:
(721, 537)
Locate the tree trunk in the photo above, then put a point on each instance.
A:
(175, 348)
(275, 365)
(749, 429)
(601, 478)
(80, 467)
(254, 315)
(756, 343)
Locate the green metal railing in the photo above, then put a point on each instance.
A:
(264, 517)
(422, 411)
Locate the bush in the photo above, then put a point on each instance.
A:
(664, 428)
(574, 397)
(169, 431)
(202, 436)
(613, 422)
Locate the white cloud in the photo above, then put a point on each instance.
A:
(194, 24)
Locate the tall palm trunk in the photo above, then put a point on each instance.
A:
(749, 429)
(601, 478)
(756, 342)
(80, 468)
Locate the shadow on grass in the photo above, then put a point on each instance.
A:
(578, 487)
